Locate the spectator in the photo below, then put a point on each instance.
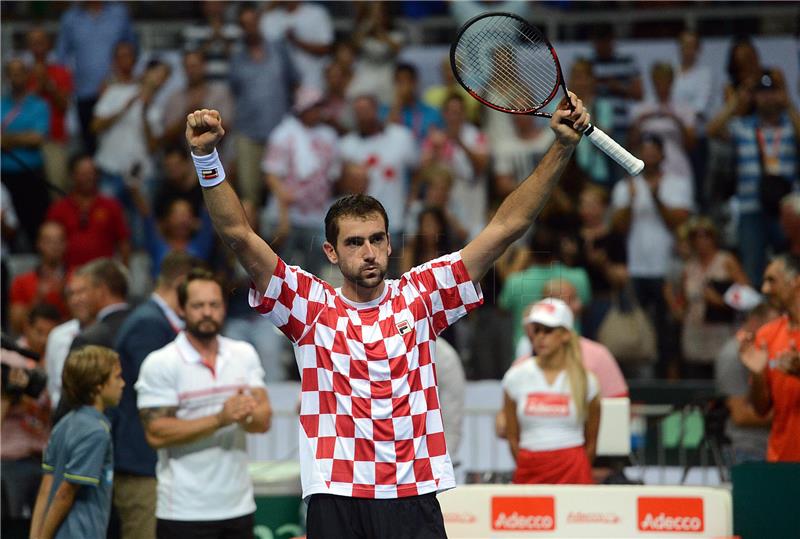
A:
(263, 79)
(589, 158)
(436, 95)
(8, 231)
(122, 65)
(435, 183)
(300, 167)
(693, 82)
(431, 238)
(463, 149)
(541, 265)
(88, 35)
(406, 108)
(552, 404)
(336, 110)
(464, 10)
(127, 127)
(74, 498)
(53, 83)
(618, 79)
(201, 438)
(178, 181)
(671, 122)
(708, 322)
(26, 120)
(107, 291)
(648, 209)
(790, 221)
(308, 30)
(773, 360)
(766, 165)
(452, 387)
(180, 229)
(150, 326)
(744, 69)
(514, 157)
(747, 430)
(95, 224)
(44, 284)
(25, 423)
(378, 44)
(215, 37)
(60, 338)
(199, 92)
(389, 153)
(602, 252)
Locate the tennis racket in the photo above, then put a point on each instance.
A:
(507, 64)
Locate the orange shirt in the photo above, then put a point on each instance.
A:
(784, 389)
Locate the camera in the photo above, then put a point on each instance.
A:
(37, 378)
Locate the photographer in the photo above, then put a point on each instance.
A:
(25, 418)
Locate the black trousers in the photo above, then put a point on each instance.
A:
(31, 199)
(85, 108)
(336, 517)
(232, 528)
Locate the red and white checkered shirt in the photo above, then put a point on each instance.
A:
(370, 417)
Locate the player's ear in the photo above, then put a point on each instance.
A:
(388, 244)
(330, 252)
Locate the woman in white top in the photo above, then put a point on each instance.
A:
(552, 403)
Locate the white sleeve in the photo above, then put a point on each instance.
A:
(620, 196)
(677, 193)
(255, 371)
(110, 102)
(156, 386)
(592, 386)
(320, 21)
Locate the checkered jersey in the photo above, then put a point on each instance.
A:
(369, 412)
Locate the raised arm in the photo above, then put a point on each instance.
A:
(203, 132)
(520, 208)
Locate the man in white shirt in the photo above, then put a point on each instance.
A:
(198, 397)
(389, 153)
(301, 165)
(648, 209)
(308, 29)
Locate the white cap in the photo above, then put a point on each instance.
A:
(306, 97)
(551, 312)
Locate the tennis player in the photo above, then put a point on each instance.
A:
(372, 448)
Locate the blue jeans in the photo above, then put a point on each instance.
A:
(758, 232)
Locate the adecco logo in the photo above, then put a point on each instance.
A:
(524, 513)
(670, 514)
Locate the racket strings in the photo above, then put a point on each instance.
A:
(506, 62)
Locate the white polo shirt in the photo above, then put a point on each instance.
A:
(206, 479)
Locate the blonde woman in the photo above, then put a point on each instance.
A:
(552, 404)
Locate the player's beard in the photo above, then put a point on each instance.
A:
(204, 329)
(359, 278)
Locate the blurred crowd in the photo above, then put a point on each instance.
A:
(661, 268)
(310, 117)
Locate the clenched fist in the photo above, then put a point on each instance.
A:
(204, 131)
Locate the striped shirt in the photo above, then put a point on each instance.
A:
(622, 69)
(780, 140)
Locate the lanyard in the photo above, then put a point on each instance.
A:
(775, 146)
(14, 112)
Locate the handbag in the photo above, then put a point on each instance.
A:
(627, 331)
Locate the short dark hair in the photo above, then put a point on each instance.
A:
(85, 370)
(351, 206)
(197, 274)
(107, 272)
(545, 243)
(45, 311)
(790, 262)
(411, 69)
(177, 264)
(653, 139)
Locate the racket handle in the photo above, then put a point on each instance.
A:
(612, 149)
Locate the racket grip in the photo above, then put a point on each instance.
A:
(612, 149)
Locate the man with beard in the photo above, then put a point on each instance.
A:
(774, 361)
(198, 397)
(372, 445)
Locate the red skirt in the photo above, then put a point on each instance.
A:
(559, 466)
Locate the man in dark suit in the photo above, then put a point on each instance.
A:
(151, 325)
(107, 294)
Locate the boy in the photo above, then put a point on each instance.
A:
(75, 495)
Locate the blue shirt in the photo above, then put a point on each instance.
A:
(79, 451)
(779, 141)
(86, 42)
(201, 245)
(262, 89)
(419, 118)
(30, 114)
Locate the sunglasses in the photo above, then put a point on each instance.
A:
(538, 328)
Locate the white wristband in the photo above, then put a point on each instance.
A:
(209, 169)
